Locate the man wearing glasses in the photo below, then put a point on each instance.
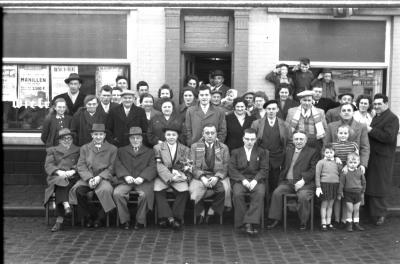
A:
(210, 168)
(248, 170)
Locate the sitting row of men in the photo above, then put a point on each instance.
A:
(205, 170)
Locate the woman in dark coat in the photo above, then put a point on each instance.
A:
(155, 133)
(236, 123)
(60, 166)
(56, 120)
(84, 118)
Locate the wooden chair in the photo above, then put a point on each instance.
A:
(170, 199)
(208, 201)
(290, 201)
(91, 195)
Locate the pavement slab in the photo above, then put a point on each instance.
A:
(29, 240)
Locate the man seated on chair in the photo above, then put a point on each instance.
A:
(248, 171)
(210, 167)
(297, 176)
(170, 155)
(135, 168)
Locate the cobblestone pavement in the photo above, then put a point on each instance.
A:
(28, 240)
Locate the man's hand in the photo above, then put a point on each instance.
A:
(93, 182)
(318, 191)
(298, 185)
(362, 169)
(369, 128)
(253, 184)
(212, 181)
(345, 169)
(338, 161)
(339, 197)
(204, 180)
(129, 179)
(246, 183)
(61, 173)
(138, 180)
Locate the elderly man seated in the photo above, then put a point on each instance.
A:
(248, 170)
(210, 168)
(297, 176)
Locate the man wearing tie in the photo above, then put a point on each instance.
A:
(121, 118)
(210, 168)
(135, 168)
(73, 97)
(105, 99)
(248, 171)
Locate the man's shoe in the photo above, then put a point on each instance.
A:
(331, 227)
(380, 221)
(89, 223)
(249, 229)
(68, 211)
(126, 225)
(273, 224)
(163, 223)
(138, 226)
(176, 225)
(349, 226)
(255, 230)
(302, 227)
(57, 227)
(324, 228)
(357, 227)
(97, 224)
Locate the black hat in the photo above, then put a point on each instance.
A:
(270, 102)
(73, 76)
(216, 91)
(98, 128)
(281, 65)
(343, 94)
(64, 132)
(217, 73)
(172, 127)
(135, 131)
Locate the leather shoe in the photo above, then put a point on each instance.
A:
(138, 226)
(163, 223)
(97, 224)
(357, 227)
(302, 227)
(126, 226)
(57, 227)
(89, 223)
(68, 211)
(176, 225)
(380, 221)
(249, 229)
(273, 224)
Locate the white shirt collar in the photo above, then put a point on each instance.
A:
(205, 108)
(209, 145)
(248, 153)
(105, 107)
(73, 96)
(271, 122)
(305, 113)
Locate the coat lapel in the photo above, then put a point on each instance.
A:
(166, 155)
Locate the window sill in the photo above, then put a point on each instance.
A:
(17, 138)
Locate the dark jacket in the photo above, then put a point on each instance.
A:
(101, 109)
(235, 132)
(304, 166)
(72, 108)
(326, 104)
(118, 124)
(158, 123)
(257, 168)
(383, 141)
(223, 90)
(82, 123)
(289, 103)
(51, 126)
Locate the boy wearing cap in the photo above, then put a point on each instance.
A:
(135, 168)
(121, 118)
(73, 97)
(60, 166)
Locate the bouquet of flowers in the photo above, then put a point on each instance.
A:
(185, 166)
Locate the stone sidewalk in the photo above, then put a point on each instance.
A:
(28, 240)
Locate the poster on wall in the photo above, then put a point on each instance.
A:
(33, 85)
(58, 74)
(9, 83)
(106, 75)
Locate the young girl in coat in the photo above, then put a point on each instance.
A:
(327, 182)
(56, 120)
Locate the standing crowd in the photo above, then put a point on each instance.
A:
(244, 152)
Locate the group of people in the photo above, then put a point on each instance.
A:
(223, 148)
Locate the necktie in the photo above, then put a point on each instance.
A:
(208, 156)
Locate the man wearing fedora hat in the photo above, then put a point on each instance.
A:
(73, 97)
(122, 117)
(218, 81)
(135, 168)
(60, 166)
(168, 155)
(96, 168)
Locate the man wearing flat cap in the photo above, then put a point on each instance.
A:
(218, 81)
(309, 119)
(73, 97)
(121, 118)
(333, 114)
(135, 168)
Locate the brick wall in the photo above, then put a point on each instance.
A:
(394, 88)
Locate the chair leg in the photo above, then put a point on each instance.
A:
(108, 219)
(284, 212)
(262, 217)
(155, 215)
(117, 220)
(47, 220)
(312, 214)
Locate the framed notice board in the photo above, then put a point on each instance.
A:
(332, 40)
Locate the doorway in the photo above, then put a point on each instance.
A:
(201, 64)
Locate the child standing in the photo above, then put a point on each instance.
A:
(342, 148)
(352, 187)
(327, 182)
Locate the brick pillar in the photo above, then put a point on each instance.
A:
(241, 51)
(172, 49)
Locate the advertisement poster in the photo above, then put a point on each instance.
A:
(33, 85)
(9, 83)
(58, 75)
(106, 75)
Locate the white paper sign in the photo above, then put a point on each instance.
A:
(33, 84)
(58, 75)
(9, 83)
(106, 75)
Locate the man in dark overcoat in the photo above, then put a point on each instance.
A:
(121, 118)
(383, 140)
(135, 168)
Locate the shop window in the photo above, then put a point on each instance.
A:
(27, 89)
